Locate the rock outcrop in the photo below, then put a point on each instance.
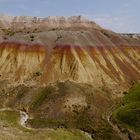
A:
(49, 22)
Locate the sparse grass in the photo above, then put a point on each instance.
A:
(83, 121)
(45, 93)
(62, 134)
(105, 132)
(10, 116)
(79, 120)
(11, 119)
(8, 32)
(11, 129)
(48, 123)
(38, 73)
(86, 118)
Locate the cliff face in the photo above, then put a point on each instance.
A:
(20, 61)
(81, 54)
(99, 66)
(47, 23)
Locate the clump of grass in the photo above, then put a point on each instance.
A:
(8, 32)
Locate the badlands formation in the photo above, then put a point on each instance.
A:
(67, 76)
(42, 51)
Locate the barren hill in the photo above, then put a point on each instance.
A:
(43, 51)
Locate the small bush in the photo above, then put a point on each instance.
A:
(38, 73)
(8, 32)
(32, 37)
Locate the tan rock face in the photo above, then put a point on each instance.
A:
(97, 66)
(50, 22)
(84, 55)
(19, 61)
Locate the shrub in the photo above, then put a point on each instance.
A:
(38, 73)
(32, 37)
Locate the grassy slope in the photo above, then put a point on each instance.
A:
(129, 114)
(78, 119)
(11, 128)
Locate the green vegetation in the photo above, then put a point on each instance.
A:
(133, 95)
(10, 116)
(49, 123)
(83, 120)
(38, 73)
(76, 117)
(105, 132)
(11, 129)
(8, 32)
(62, 134)
(32, 37)
(129, 114)
(11, 119)
(80, 120)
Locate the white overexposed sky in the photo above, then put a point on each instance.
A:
(117, 15)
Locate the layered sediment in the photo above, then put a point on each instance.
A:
(79, 51)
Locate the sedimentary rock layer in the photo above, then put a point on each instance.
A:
(19, 61)
(96, 65)
(84, 55)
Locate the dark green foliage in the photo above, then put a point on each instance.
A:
(133, 96)
(32, 37)
(129, 114)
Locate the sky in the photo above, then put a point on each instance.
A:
(117, 15)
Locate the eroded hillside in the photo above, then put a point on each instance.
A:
(84, 54)
(66, 73)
